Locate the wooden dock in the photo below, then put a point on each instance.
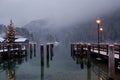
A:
(94, 49)
(102, 52)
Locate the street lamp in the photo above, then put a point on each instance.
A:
(101, 30)
(98, 21)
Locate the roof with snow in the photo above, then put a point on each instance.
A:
(1, 39)
(21, 40)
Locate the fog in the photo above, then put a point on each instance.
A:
(58, 12)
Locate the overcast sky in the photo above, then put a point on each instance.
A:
(57, 11)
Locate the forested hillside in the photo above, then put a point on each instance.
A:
(80, 32)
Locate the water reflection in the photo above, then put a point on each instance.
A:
(42, 72)
(10, 66)
(49, 56)
(84, 60)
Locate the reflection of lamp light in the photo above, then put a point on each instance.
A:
(101, 78)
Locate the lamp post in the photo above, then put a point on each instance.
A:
(98, 21)
(101, 30)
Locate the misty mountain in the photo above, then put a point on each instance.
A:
(41, 30)
(36, 25)
(19, 31)
(81, 32)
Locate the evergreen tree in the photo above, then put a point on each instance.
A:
(10, 34)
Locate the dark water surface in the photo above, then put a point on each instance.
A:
(60, 67)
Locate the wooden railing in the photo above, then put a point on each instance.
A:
(104, 47)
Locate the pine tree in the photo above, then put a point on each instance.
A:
(10, 34)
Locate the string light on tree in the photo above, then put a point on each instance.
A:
(10, 34)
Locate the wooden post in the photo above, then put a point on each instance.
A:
(111, 73)
(34, 49)
(47, 55)
(81, 52)
(77, 49)
(88, 56)
(107, 48)
(30, 51)
(31, 48)
(42, 54)
(119, 51)
(51, 51)
(3, 48)
(20, 50)
(26, 49)
(93, 47)
(9, 50)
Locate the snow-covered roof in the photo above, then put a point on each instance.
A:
(21, 40)
(18, 36)
(1, 39)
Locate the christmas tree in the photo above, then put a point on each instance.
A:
(10, 34)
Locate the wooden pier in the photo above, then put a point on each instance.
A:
(94, 49)
(109, 53)
(12, 49)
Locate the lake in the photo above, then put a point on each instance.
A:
(58, 66)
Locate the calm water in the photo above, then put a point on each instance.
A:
(60, 67)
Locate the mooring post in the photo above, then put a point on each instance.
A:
(8, 50)
(107, 48)
(119, 51)
(47, 55)
(3, 48)
(34, 49)
(30, 51)
(30, 48)
(92, 47)
(42, 54)
(88, 56)
(81, 51)
(51, 51)
(26, 50)
(111, 68)
(77, 48)
(20, 50)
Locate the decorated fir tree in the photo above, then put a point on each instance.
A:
(10, 34)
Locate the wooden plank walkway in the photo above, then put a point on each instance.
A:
(104, 49)
(5, 50)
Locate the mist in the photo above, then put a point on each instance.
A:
(58, 12)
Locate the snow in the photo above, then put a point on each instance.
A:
(1, 39)
(21, 40)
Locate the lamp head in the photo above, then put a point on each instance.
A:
(98, 21)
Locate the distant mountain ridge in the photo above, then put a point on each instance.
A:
(85, 32)
(36, 25)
